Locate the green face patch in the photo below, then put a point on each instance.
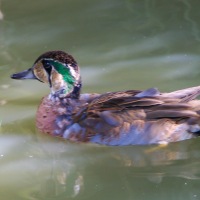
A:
(65, 72)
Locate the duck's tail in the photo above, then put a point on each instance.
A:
(185, 95)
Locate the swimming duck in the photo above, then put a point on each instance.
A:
(131, 117)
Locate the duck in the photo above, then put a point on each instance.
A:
(130, 117)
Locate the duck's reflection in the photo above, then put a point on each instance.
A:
(81, 169)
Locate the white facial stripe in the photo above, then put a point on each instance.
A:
(73, 72)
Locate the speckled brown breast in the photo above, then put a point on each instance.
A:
(52, 116)
(46, 116)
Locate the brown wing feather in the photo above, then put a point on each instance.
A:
(154, 107)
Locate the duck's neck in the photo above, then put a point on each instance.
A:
(75, 94)
(61, 93)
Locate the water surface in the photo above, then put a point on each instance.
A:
(129, 44)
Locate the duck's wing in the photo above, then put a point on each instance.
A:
(117, 101)
(113, 109)
(149, 97)
(154, 104)
(137, 117)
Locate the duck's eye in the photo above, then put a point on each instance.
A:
(47, 65)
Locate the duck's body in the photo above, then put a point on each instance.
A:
(130, 117)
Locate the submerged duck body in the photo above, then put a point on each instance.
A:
(131, 117)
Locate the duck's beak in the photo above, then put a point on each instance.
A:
(27, 74)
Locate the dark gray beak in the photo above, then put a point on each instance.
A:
(27, 74)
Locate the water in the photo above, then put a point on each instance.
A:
(119, 45)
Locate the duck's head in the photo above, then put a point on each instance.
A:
(59, 70)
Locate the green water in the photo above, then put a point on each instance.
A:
(130, 44)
